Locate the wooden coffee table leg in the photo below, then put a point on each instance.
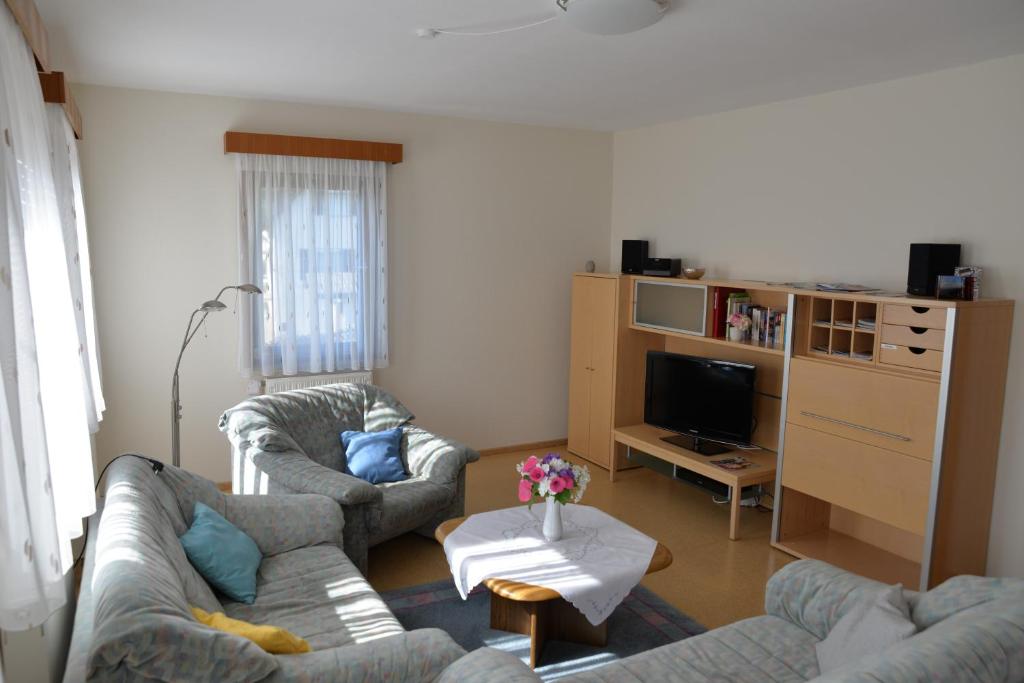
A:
(543, 621)
(734, 513)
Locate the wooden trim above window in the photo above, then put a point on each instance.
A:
(27, 17)
(55, 90)
(295, 146)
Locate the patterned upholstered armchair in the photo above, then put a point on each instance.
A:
(289, 443)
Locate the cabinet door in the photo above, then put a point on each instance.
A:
(603, 293)
(579, 367)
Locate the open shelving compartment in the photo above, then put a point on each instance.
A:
(771, 300)
(813, 528)
(838, 329)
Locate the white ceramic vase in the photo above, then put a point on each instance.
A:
(735, 334)
(553, 521)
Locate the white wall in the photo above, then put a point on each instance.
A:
(836, 186)
(487, 222)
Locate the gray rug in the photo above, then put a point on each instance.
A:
(643, 621)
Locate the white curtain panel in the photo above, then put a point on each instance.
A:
(46, 475)
(67, 177)
(313, 237)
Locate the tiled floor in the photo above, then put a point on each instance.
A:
(714, 580)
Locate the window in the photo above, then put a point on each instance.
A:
(314, 239)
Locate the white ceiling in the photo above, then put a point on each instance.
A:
(704, 56)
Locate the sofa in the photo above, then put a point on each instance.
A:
(289, 442)
(970, 629)
(133, 619)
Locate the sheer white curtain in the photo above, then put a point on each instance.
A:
(46, 475)
(67, 177)
(313, 237)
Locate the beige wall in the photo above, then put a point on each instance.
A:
(836, 186)
(487, 222)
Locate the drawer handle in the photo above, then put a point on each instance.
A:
(916, 351)
(889, 435)
(918, 330)
(920, 309)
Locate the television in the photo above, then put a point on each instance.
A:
(708, 403)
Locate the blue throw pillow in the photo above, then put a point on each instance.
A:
(374, 456)
(223, 554)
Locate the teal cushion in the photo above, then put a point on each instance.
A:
(374, 456)
(223, 554)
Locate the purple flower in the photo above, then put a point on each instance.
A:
(549, 457)
(567, 473)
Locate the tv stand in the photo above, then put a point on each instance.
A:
(697, 445)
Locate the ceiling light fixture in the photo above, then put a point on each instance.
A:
(612, 17)
(599, 17)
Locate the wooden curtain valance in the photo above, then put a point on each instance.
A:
(295, 146)
(27, 17)
(55, 90)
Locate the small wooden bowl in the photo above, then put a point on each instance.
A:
(693, 273)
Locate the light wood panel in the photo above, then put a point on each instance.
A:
(801, 514)
(821, 394)
(976, 395)
(889, 538)
(908, 357)
(886, 485)
(853, 555)
(296, 146)
(56, 91)
(579, 367)
(602, 309)
(924, 315)
(920, 337)
(31, 24)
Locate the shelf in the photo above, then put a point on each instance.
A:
(854, 555)
(750, 346)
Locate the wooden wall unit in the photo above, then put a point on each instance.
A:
(885, 414)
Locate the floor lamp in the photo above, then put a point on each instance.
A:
(212, 306)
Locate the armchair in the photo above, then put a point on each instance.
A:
(290, 443)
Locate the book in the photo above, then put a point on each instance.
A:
(734, 463)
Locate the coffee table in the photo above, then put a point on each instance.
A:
(542, 613)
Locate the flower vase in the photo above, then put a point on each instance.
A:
(735, 334)
(553, 521)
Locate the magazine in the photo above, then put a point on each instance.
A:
(734, 463)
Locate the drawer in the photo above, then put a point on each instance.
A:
(886, 486)
(914, 316)
(910, 357)
(918, 337)
(895, 413)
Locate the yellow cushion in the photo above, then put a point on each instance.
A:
(273, 639)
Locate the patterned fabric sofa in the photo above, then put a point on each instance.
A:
(971, 629)
(133, 621)
(289, 443)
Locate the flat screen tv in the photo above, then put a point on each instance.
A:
(708, 403)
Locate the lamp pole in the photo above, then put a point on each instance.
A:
(212, 306)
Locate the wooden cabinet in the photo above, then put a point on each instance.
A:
(592, 366)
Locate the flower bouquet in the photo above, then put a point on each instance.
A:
(554, 481)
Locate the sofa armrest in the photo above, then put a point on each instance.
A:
(434, 457)
(485, 665)
(302, 475)
(814, 595)
(286, 522)
(419, 655)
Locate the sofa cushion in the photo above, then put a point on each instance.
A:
(142, 587)
(273, 639)
(760, 650)
(317, 594)
(225, 556)
(375, 457)
(961, 593)
(868, 628)
(407, 504)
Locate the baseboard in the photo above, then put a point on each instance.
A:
(515, 448)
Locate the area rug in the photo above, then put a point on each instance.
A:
(643, 621)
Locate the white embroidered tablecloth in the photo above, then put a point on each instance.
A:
(594, 566)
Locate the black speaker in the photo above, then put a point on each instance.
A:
(927, 262)
(634, 256)
(664, 267)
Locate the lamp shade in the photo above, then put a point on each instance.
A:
(212, 306)
(613, 17)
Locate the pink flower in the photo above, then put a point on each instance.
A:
(530, 463)
(536, 474)
(567, 483)
(525, 491)
(556, 485)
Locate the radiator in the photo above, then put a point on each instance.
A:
(274, 385)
